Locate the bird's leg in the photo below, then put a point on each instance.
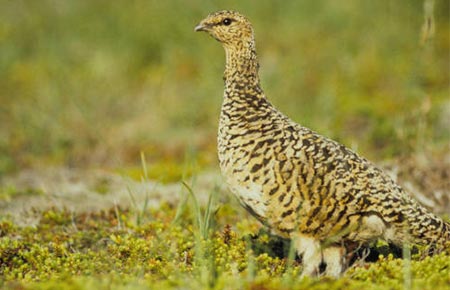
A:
(311, 252)
(333, 257)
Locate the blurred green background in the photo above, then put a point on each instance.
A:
(94, 83)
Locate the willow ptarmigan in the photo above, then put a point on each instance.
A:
(305, 187)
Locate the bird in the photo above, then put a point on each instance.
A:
(303, 186)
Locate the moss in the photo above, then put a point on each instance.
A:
(108, 250)
(397, 273)
(9, 192)
(102, 185)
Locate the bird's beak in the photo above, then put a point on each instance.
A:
(200, 27)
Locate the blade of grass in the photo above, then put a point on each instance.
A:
(208, 211)
(195, 202)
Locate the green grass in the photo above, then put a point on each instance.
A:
(97, 82)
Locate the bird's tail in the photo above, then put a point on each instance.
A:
(425, 228)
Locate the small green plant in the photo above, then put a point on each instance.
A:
(140, 211)
(204, 221)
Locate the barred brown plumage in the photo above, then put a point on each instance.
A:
(302, 185)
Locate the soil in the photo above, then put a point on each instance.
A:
(79, 190)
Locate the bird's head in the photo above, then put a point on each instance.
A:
(230, 28)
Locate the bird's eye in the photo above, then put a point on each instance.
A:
(226, 21)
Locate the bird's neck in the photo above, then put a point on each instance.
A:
(241, 72)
